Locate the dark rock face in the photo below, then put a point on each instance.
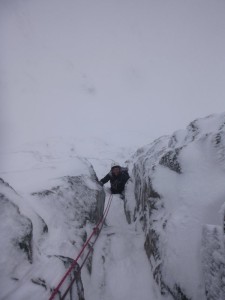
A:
(43, 226)
(151, 245)
(100, 196)
(25, 244)
(171, 160)
(213, 262)
(127, 213)
(218, 141)
(177, 293)
(192, 131)
(17, 228)
(39, 281)
(75, 276)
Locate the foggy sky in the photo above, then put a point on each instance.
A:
(126, 71)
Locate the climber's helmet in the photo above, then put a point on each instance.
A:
(115, 168)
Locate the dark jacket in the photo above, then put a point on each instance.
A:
(117, 182)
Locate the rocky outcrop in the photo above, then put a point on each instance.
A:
(177, 183)
(16, 238)
(171, 160)
(19, 231)
(52, 228)
(213, 262)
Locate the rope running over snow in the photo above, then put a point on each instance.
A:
(96, 231)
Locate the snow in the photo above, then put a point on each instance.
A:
(125, 272)
(37, 167)
(85, 83)
(58, 215)
(121, 269)
(10, 219)
(189, 199)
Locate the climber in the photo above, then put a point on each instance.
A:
(118, 177)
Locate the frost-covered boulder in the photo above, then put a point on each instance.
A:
(42, 229)
(179, 187)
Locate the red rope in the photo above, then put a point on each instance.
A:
(97, 231)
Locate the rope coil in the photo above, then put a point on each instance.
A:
(75, 266)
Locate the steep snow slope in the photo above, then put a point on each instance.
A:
(178, 183)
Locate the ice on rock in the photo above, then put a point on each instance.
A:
(178, 183)
(44, 225)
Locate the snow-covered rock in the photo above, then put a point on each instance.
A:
(16, 239)
(178, 183)
(174, 207)
(213, 262)
(44, 225)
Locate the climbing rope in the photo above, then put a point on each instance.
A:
(75, 266)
